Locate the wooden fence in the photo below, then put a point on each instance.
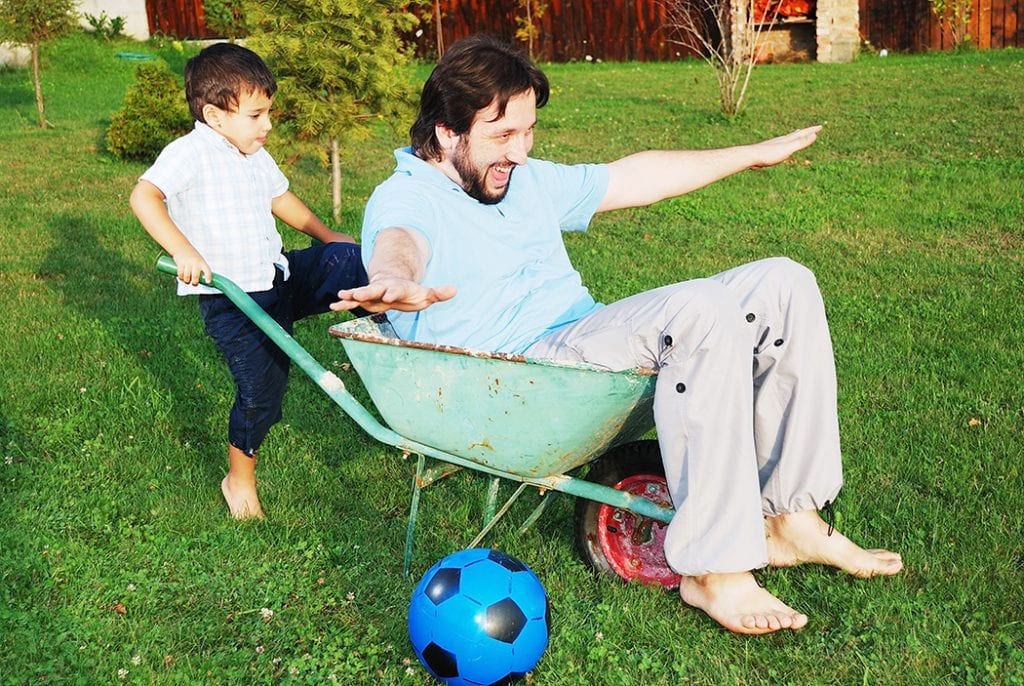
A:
(618, 30)
(910, 25)
(177, 18)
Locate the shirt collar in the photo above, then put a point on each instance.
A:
(412, 165)
(208, 134)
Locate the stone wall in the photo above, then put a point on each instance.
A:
(829, 32)
(838, 30)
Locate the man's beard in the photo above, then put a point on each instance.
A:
(474, 182)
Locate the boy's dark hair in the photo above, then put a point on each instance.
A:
(221, 74)
(475, 72)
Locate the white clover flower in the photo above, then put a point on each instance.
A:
(122, 673)
(266, 613)
(259, 650)
(136, 660)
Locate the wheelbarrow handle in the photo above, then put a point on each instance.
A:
(258, 315)
(328, 382)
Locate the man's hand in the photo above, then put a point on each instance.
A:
(192, 266)
(390, 293)
(776, 150)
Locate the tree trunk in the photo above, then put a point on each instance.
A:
(438, 29)
(336, 181)
(39, 88)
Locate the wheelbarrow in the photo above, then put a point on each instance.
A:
(537, 422)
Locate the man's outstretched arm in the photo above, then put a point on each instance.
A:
(647, 177)
(394, 273)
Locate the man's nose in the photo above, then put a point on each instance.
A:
(517, 150)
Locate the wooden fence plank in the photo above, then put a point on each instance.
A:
(998, 19)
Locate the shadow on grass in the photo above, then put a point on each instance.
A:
(139, 315)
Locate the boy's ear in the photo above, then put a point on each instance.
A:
(212, 114)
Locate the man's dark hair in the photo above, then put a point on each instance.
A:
(221, 74)
(475, 72)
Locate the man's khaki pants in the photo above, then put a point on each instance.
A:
(745, 403)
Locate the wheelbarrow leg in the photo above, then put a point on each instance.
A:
(414, 508)
(491, 505)
(545, 500)
(501, 513)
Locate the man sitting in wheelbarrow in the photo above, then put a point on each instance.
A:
(750, 458)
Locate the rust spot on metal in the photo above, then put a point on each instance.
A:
(482, 444)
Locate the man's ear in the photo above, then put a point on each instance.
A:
(212, 114)
(446, 138)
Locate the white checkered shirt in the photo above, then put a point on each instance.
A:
(220, 199)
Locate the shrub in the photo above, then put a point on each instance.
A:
(154, 113)
(105, 27)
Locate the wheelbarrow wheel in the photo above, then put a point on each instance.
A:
(615, 541)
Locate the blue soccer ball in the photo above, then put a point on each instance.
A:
(479, 617)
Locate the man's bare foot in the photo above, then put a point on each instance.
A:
(736, 602)
(241, 498)
(803, 537)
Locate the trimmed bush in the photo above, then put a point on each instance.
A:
(154, 113)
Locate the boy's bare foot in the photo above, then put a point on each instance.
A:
(736, 602)
(242, 500)
(803, 537)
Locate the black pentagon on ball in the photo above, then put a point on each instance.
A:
(443, 586)
(509, 563)
(442, 662)
(505, 620)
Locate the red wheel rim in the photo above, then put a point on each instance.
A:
(634, 546)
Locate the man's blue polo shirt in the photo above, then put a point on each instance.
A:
(508, 261)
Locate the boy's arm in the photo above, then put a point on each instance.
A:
(147, 202)
(288, 208)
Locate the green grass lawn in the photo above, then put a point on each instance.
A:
(119, 564)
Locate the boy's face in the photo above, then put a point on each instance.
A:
(246, 126)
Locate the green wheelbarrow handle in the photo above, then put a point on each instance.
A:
(326, 380)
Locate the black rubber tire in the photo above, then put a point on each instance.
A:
(624, 461)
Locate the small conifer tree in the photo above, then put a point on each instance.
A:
(339, 67)
(32, 23)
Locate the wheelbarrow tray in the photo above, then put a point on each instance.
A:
(525, 416)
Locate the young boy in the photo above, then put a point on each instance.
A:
(210, 200)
